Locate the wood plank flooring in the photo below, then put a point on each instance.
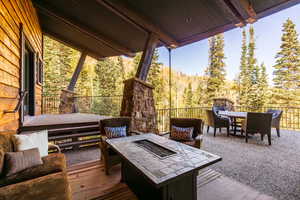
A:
(88, 181)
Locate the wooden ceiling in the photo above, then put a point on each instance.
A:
(106, 28)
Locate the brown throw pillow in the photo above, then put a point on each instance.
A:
(19, 161)
(180, 133)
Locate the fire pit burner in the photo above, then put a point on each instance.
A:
(154, 148)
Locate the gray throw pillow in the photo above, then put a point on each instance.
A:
(115, 132)
(19, 161)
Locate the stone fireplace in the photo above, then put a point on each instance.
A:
(138, 103)
(68, 102)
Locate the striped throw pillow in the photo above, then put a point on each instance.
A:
(115, 132)
(179, 133)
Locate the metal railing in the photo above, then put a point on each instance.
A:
(111, 106)
(102, 105)
(290, 119)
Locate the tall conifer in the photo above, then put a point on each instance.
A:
(216, 68)
(287, 68)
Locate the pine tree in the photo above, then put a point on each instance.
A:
(60, 62)
(136, 61)
(188, 96)
(216, 68)
(243, 79)
(263, 85)
(155, 78)
(287, 68)
(106, 86)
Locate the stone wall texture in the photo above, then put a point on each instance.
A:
(138, 103)
(68, 102)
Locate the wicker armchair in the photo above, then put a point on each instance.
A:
(258, 123)
(216, 121)
(197, 124)
(108, 155)
(276, 116)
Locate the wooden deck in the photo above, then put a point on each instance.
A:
(88, 181)
(61, 119)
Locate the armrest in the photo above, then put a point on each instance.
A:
(164, 133)
(136, 133)
(54, 147)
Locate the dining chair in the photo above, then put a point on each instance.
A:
(108, 155)
(276, 116)
(257, 123)
(213, 119)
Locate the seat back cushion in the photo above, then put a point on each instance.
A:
(115, 132)
(33, 140)
(18, 161)
(182, 133)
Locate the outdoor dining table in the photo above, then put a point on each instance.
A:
(234, 116)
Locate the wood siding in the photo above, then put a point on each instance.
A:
(12, 14)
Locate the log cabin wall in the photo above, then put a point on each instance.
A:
(13, 13)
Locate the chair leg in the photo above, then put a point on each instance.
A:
(278, 132)
(228, 131)
(220, 130)
(246, 137)
(215, 132)
(207, 129)
(262, 137)
(269, 139)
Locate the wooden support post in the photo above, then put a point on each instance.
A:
(77, 71)
(146, 59)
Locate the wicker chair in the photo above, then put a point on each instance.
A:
(258, 123)
(216, 121)
(108, 155)
(276, 116)
(197, 124)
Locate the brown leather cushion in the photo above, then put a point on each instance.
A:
(19, 161)
(52, 163)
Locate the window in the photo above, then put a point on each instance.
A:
(39, 70)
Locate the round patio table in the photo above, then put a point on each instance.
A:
(234, 115)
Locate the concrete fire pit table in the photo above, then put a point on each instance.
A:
(156, 167)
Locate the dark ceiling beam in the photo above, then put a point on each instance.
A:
(77, 71)
(235, 12)
(72, 44)
(138, 21)
(277, 8)
(146, 59)
(98, 37)
(248, 7)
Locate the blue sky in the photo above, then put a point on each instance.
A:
(193, 58)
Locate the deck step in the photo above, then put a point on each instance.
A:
(76, 143)
(72, 129)
(57, 126)
(66, 136)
